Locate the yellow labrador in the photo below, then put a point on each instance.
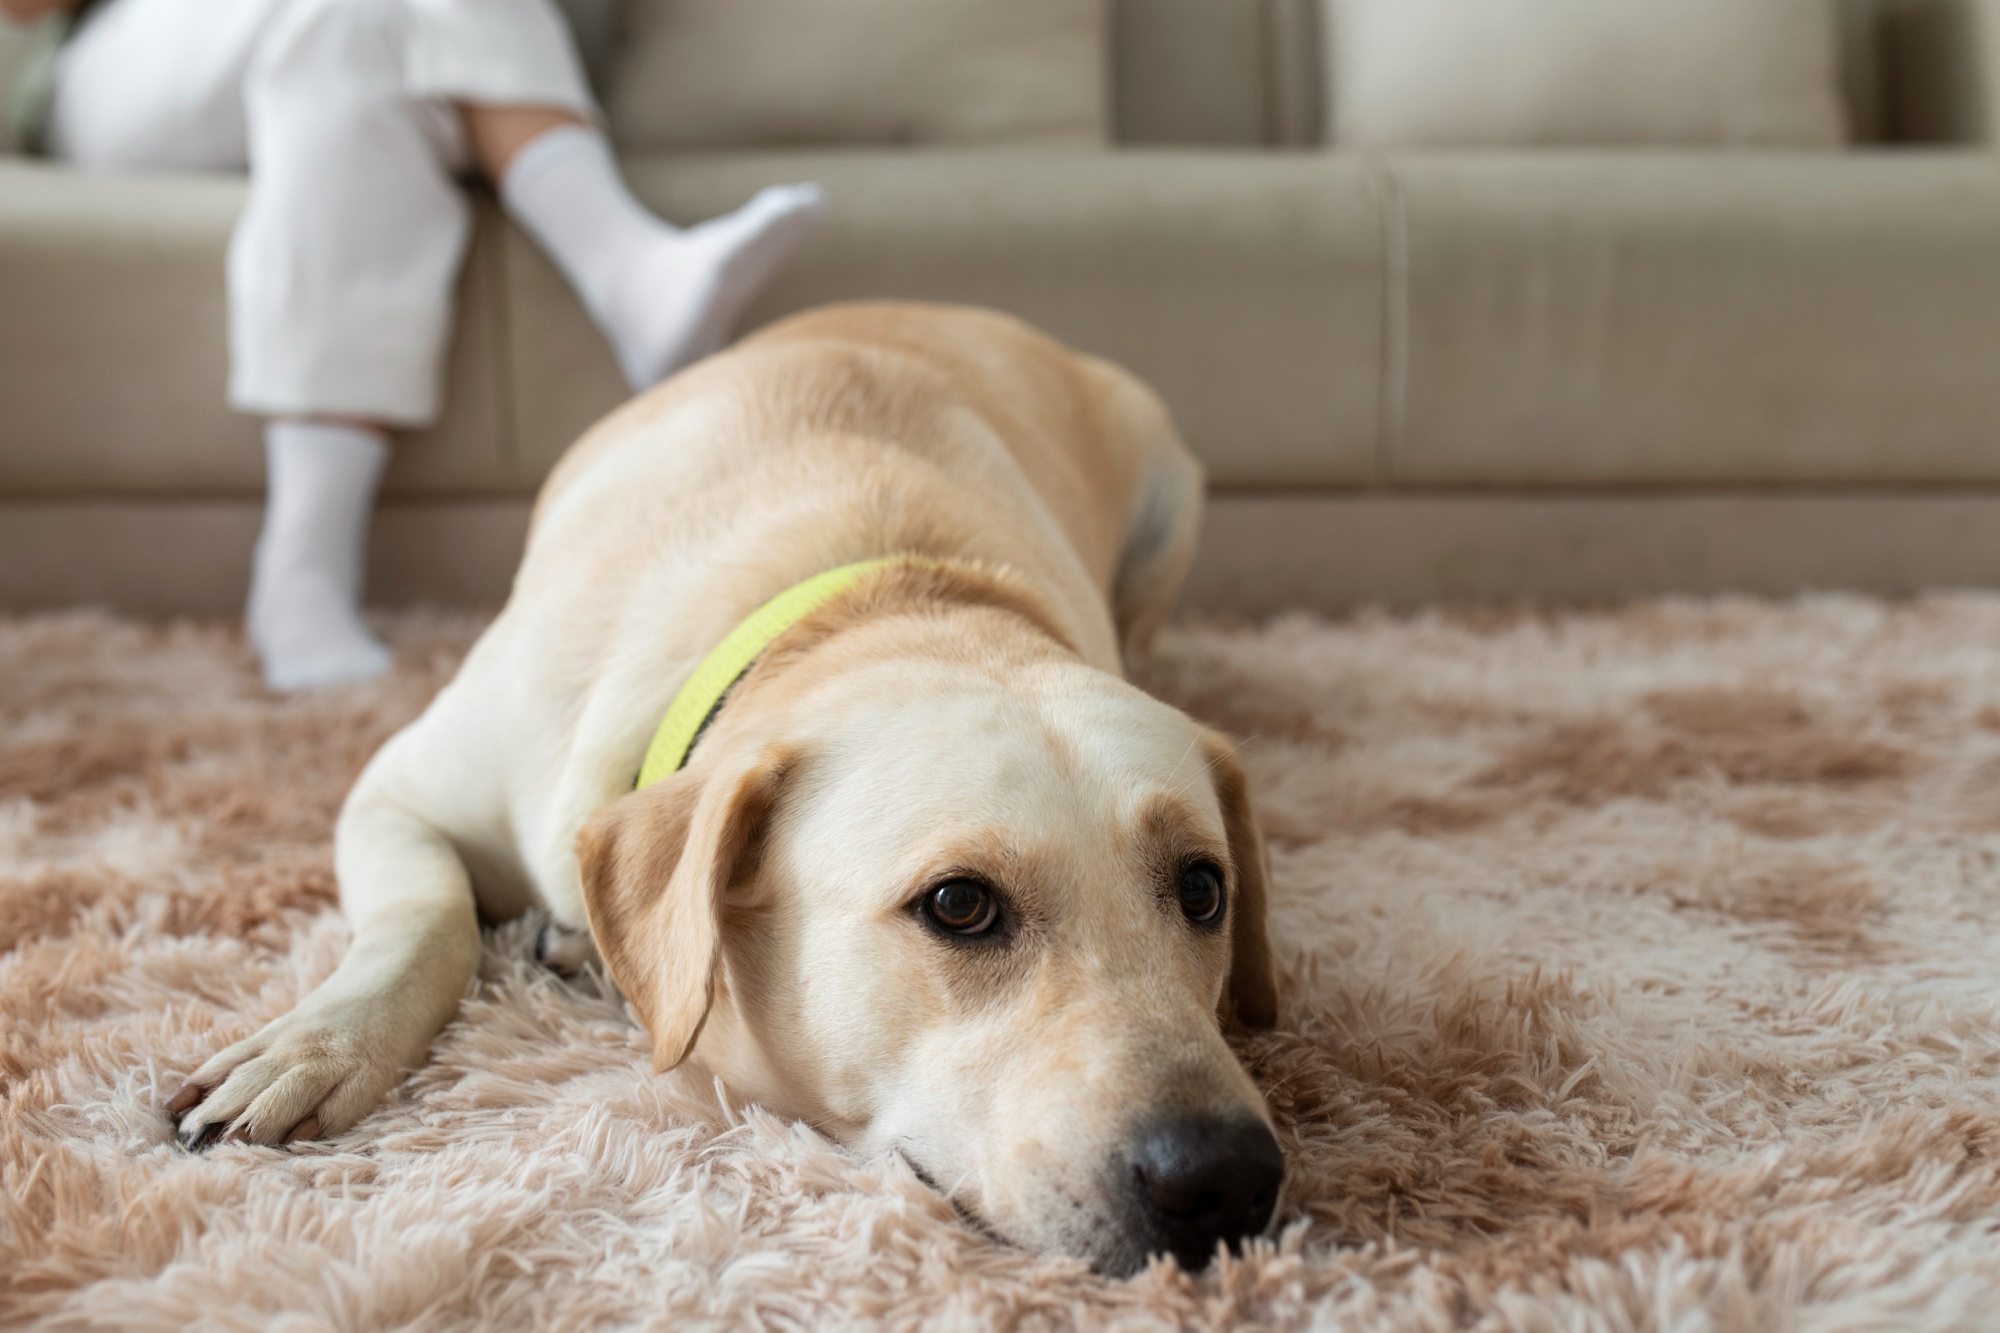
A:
(933, 877)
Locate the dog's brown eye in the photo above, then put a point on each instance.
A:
(962, 906)
(1201, 893)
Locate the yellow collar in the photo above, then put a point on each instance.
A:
(702, 696)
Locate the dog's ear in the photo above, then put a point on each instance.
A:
(1251, 998)
(655, 866)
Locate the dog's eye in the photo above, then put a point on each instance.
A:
(962, 906)
(1201, 893)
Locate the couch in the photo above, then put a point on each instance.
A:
(1557, 374)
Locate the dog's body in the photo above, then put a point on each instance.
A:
(958, 727)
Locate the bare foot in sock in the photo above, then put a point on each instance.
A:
(664, 295)
(308, 633)
(682, 297)
(304, 616)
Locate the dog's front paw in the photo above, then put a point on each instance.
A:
(308, 1075)
(564, 951)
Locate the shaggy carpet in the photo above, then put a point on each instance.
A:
(1641, 971)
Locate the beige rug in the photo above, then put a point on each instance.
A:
(1643, 973)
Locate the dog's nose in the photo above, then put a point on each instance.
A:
(1203, 1180)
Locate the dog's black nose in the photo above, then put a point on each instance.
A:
(1203, 1180)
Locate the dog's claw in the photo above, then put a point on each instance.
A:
(203, 1136)
(186, 1099)
(307, 1128)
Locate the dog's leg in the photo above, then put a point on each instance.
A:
(1160, 539)
(324, 1065)
(564, 950)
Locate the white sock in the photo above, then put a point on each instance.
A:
(305, 587)
(663, 295)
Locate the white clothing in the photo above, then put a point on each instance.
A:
(305, 589)
(663, 295)
(342, 265)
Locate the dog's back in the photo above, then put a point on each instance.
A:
(897, 414)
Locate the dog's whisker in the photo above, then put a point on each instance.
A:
(1193, 741)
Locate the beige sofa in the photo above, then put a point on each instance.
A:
(1563, 375)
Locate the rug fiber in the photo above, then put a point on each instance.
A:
(1641, 970)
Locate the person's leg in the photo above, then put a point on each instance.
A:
(306, 581)
(163, 85)
(157, 85)
(340, 278)
(342, 267)
(663, 295)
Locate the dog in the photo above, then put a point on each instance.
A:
(922, 868)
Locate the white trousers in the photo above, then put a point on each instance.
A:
(342, 264)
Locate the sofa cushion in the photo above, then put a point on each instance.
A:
(1646, 319)
(1520, 72)
(1245, 287)
(736, 73)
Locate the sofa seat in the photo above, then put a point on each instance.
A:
(1248, 289)
(114, 349)
(1558, 375)
(1639, 319)
(1315, 322)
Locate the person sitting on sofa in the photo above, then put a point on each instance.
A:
(353, 118)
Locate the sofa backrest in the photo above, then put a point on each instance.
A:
(706, 74)
(1248, 72)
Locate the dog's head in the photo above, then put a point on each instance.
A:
(990, 910)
